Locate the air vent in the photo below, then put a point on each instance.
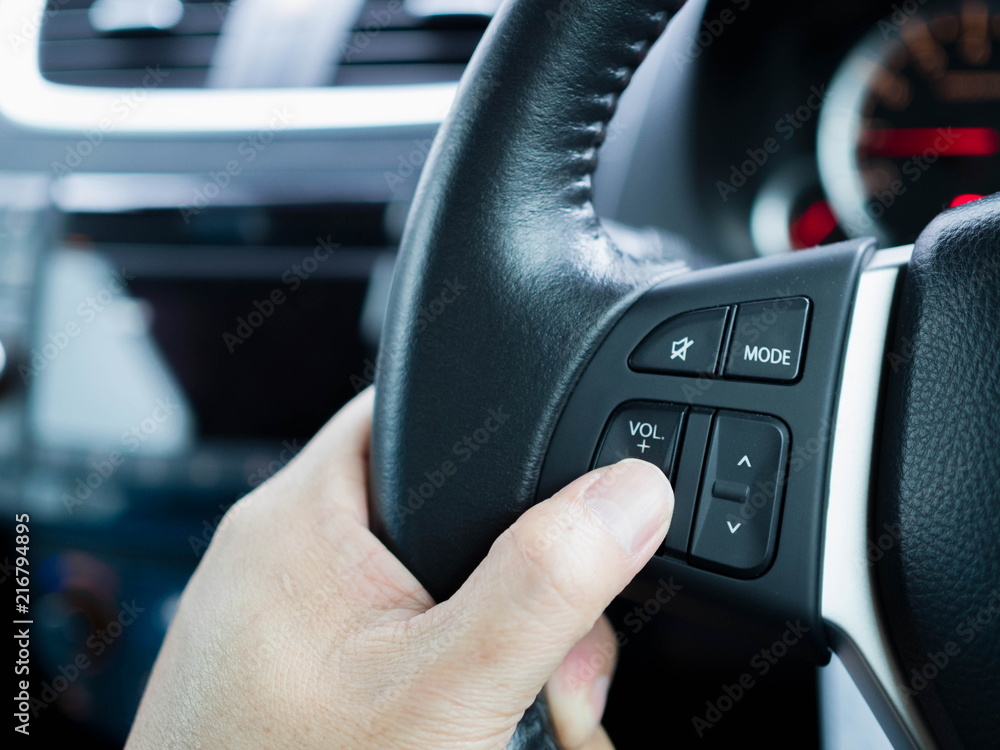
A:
(102, 43)
(112, 44)
(390, 44)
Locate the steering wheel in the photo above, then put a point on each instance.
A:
(829, 419)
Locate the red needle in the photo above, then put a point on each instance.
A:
(906, 142)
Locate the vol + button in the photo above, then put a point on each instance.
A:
(647, 431)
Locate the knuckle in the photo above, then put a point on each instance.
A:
(552, 570)
(240, 524)
(235, 520)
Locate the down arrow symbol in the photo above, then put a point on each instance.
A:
(733, 529)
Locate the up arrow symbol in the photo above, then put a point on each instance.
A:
(745, 460)
(733, 529)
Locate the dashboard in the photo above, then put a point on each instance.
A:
(194, 265)
(910, 124)
(819, 121)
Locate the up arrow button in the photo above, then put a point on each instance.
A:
(739, 503)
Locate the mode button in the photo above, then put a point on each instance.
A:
(768, 340)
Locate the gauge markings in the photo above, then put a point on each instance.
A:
(928, 53)
(975, 45)
(892, 87)
(920, 123)
(969, 86)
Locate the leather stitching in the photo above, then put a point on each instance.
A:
(581, 189)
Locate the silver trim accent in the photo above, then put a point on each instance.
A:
(31, 102)
(850, 603)
(846, 720)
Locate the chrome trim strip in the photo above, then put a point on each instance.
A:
(846, 720)
(891, 257)
(850, 604)
(29, 101)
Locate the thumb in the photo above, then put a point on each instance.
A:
(548, 578)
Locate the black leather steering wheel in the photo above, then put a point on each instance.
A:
(520, 336)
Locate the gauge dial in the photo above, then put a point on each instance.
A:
(911, 125)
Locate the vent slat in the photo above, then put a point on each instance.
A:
(380, 75)
(413, 47)
(56, 6)
(106, 54)
(187, 78)
(387, 46)
(75, 24)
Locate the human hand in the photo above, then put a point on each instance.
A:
(299, 629)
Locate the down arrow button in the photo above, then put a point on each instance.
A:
(740, 501)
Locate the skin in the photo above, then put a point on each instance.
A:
(299, 629)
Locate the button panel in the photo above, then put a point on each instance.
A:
(728, 471)
(768, 340)
(740, 500)
(688, 344)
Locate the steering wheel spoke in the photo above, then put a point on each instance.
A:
(728, 378)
